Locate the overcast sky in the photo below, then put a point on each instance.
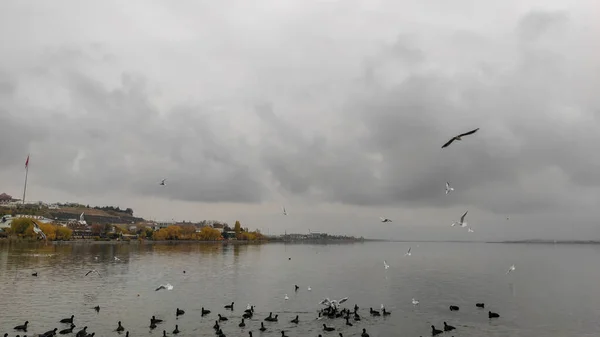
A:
(335, 109)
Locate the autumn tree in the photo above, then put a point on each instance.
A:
(63, 233)
(208, 233)
(188, 231)
(20, 226)
(49, 230)
(237, 228)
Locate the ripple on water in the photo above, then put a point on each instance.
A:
(438, 274)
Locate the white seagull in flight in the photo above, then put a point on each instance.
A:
(462, 222)
(38, 230)
(448, 188)
(92, 271)
(162, 182)
(167, 286)
(333, 303)
(385, 264)
(385, 219)
(470, 230)
(408, 253)
(284, 212)
(512, 268)
(459, 137)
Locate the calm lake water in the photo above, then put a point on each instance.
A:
(553, 292)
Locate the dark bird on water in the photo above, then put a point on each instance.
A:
(493, 314)
(480, 305)
(453, 308)
(448, 327)
(82, 332)
(67, 320)
(459, 137)
(434, 331)
(179, 312)
(67, 331)
(49, 333)
(22, 327)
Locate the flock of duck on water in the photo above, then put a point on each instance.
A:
(331, 311)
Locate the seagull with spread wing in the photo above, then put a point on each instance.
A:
(92, 271)
(385, 219)
(448, 188)
(162, 182)
(165, 286)
(333, 304)
(38, 230)
(459, 137)
(462, 221)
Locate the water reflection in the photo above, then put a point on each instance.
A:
(217, 274)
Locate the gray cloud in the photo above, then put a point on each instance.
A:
(308, 106)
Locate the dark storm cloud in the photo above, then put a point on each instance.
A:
(125, 144)
(341, 112)
(529, 122)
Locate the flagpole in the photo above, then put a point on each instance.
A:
(26, 173)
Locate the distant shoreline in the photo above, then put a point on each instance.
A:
(241, 242)
(176, 242)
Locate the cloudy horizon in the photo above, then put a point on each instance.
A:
(335, 109)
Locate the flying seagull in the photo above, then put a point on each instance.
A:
(470, 230)
(462, 222)
(92, 271)
(385, 264)
(164, 286)
(38, 230)
(284, 212)
(333, 304)
(459, 137)
(408, 253)
(415, 302)
(448, 188)
(385, 219)
(162, 182)
(512, 268)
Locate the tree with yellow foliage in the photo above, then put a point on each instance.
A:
(23, 227)
(208, 233)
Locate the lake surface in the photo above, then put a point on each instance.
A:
(552, 292)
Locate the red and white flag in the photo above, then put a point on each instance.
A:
(27, 162)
